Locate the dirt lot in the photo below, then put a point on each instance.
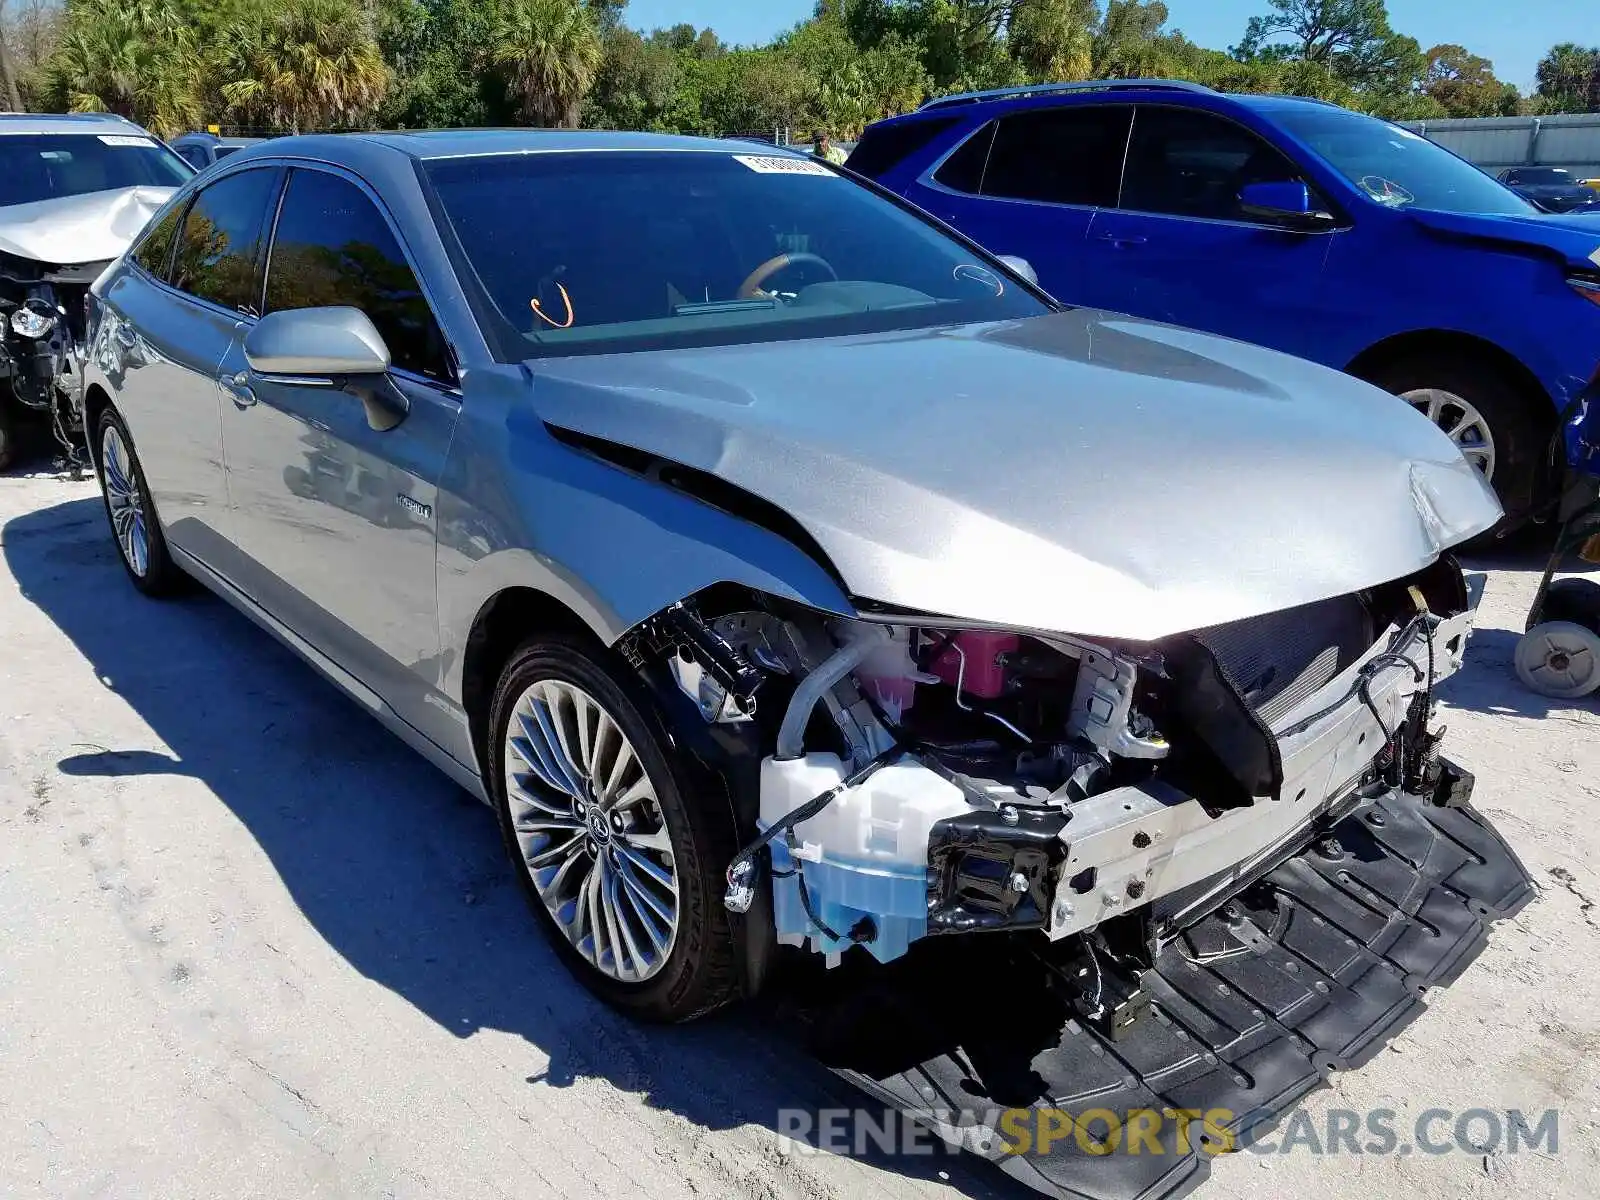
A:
(250, 945)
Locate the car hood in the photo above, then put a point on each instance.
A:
(1076, 473)
(79, 229)
(1574, 238)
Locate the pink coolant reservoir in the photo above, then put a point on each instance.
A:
(983, 675)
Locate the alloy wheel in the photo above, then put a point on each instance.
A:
(125, 501)
(1463, 423)
(591, 830)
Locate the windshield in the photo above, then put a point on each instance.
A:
(48, 166)
(646, 250)
(1542, 176)
(1399, 168)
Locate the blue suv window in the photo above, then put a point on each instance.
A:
(1193, 164)
(1057, 155)
(963, 170)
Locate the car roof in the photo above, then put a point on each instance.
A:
(35, 123)
(460, 143)
(1109, 91)
(198, 135)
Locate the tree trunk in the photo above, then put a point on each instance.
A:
(7, 75)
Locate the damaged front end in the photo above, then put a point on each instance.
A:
(1230, 861)
(51, 252)
(43, 338)
(904, 777)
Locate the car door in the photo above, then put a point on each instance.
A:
(169, 325)
(1178, 247)
(1029, 184)
(336, 517)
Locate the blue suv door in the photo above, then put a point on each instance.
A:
(1029, 184)
(1178, 246)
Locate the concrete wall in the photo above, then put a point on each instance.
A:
(1495, 143)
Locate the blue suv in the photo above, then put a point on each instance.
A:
(1291, 223)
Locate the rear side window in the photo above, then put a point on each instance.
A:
(154, 251)
(217, 254)
(1194, 164)
(333, 247)
(963, 170)
(885, 146)
(194, 156)
(1060, 155)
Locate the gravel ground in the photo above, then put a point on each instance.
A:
(251, 945)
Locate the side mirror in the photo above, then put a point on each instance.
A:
(316, 344)
(1287, 203)
(1020, 266)
(328, 347)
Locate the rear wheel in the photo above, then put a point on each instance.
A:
(1500, 430)
(620, 862)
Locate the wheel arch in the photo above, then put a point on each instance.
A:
(505, 620)
(96, 400)
(1422, 343)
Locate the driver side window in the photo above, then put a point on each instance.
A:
(333, 247)
(1185, 163)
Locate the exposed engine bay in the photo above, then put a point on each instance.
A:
(904, 777)
(43, 338)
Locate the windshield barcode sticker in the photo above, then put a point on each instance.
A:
(774, 165)
(124, 139)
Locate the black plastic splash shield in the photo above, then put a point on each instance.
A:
(1313, 969)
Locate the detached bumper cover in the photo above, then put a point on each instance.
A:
(1314, 968)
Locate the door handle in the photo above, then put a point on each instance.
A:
(238, 389)
(1120, 240)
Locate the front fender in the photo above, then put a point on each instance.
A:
(517, 508)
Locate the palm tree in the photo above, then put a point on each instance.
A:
(551, 53)
(132, 57)
(305, 64)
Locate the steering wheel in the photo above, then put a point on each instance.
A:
(750, 289)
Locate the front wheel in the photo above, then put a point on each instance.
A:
(1500, 430)
(620, 861)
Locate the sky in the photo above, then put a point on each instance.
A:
(1513, 37)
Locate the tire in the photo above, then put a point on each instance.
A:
(123, 490)
(1576, 601)
(1519, 428)
(556, 847)
(1559, 659)
(8, 438)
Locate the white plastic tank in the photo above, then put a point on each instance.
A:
(863, 858)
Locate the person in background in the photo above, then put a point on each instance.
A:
(822, 147)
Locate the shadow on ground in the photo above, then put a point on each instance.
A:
(401, 872)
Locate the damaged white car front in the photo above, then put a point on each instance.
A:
(75, 191)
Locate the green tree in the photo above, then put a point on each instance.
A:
(1569, 79)
(637, 82)
(303, 64)
(1054, 39)
(136, 58)
(1352, 38)
(550, 53)
(1464, 84)
(427, 42)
